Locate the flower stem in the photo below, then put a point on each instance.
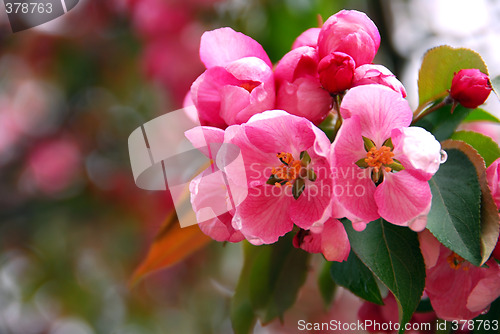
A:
(428, 111)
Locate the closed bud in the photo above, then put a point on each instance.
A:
(470, 88)
(336, 72)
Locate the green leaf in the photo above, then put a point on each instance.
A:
(454, 218)
(442, 123)
(356, 277)
(481, 115)
(393, 254)
(489, 212)
(495, 83)
(277, 272)
(326, 284)
(243, 317)
(484, 145)
(438, 68)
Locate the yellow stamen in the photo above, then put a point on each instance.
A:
(289, 171)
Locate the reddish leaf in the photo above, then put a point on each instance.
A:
(171, 245)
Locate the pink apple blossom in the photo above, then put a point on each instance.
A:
(380, 165)
(286, 172)
(456, 288)
(331, 240)
(493, 178)
(377, 74)
(350, 32)
(238, 82)
(470, 88)
(299, 90)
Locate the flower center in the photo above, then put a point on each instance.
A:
(455, 261)
(288, 171)
(377, 158)
(249, 85)
(292, 172)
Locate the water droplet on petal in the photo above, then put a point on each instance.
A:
(444, 157)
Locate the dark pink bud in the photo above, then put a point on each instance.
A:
(336, 72)
(470, 88)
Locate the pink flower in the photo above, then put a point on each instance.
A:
(457, 289)
(307, 38)
(470, 88)
(299, 90)
(388, 313)
(332, 241)
(350, 32)
(210, 198)
(380, 165)
(291, 187)
(377, 74)
(336, 72)
(238, 82)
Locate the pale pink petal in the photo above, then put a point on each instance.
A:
(401, 197)
(380, 110)
(234, 99)
(220, 229)
(493, 178)
(288, 133)
(207, 139)
(353, 186)
(335, 244)
(263, 216)
(417, 150)
(307, 38)
(370, 74)
(429, 246)
(487, 290)
(222, 46)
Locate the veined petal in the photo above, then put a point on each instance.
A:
(207, 139)
(402, 197)
(380, 110)
(222, 46)
(335, 244)
(263, 216)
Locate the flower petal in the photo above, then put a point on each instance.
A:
(222, 46)
(207, 139)
(380, 110)
(335, 244)
(263, 216)
(402, 197)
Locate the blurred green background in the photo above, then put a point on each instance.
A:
(73, 226)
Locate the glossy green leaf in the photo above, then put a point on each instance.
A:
(481, 115)
(454, 218)
(490, 222)
(356, 277)
(393, 254)
(326, 284)
(438, 67)
(269, 282)
(442, 123)
(484, 145)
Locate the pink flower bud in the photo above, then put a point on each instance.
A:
(336, 72)
(470, 88)
(351, 32)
